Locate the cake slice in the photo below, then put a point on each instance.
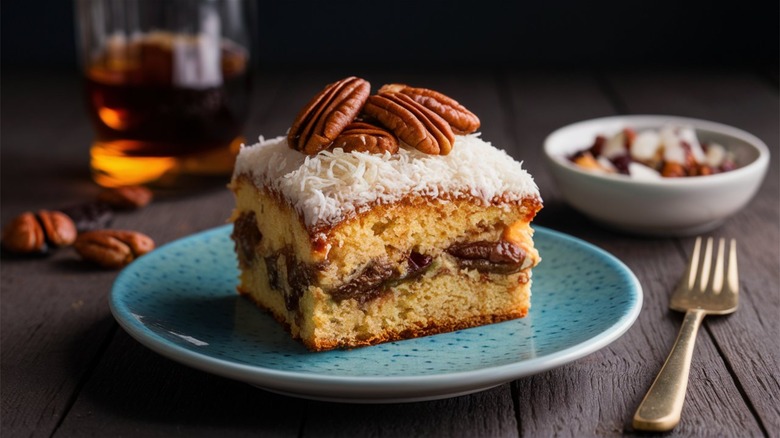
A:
(350, 248)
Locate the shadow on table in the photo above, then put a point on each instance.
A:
(129, 388)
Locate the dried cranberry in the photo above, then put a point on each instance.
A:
(622, 163)
(598, 145)
(416, 264)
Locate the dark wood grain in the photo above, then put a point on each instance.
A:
(485, 414)
(747, 339)
(601, 392)
(136, 392)
(53, 310)
(66, 369)
(55, 317)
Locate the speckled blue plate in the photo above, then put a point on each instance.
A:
(180, 301)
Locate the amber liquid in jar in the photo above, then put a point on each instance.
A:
(167, 109)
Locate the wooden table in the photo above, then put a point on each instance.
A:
(69, 370)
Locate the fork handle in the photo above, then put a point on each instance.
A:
(660, 409)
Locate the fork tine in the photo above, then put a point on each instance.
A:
(693, 264)
(705, 265)
(733, 276)
(717, 273)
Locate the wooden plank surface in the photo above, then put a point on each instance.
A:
(66, 369)
(748, 339)
(604, 389)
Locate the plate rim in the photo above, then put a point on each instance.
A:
(376, 388)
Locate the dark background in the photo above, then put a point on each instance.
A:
(555, 33)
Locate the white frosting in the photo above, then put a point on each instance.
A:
(331, 186)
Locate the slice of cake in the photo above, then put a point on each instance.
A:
(383, 229)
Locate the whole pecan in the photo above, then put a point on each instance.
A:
(113, 248)
(412, 122)
(24, 234)
(365, 137)
(327, 114)
(58, 228)
(126, 197)
(30, 233)
(460, 119)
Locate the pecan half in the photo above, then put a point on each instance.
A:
(365, 137)
(126, 197)
(500, 257)
(462, 120)
(112, 249)
(33, 233)
(327, 114)
(24, 235)
(58, 228)
(413, 123)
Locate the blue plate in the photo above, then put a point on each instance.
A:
(180, 301)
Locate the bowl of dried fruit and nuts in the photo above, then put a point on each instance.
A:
(656, 175)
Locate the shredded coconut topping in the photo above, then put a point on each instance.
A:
(334, 185)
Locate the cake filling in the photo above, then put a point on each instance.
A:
(246, 236)
(500, 257)
(379, 276)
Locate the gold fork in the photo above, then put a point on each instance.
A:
(706, 289)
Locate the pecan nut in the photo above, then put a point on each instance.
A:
(58, 228)
(32, 233)
(365, 137)
(502, 257)
(126, 197)
(24, 235)
(412, 122)
(327, 114)
(460, 119)
(112, 248)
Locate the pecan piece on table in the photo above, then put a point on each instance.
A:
(412, 122)
(58, 228)
(24, 235)
(31, 232)
(460, 119)
(365, 137)
(327, 114)
(113, 249)
(126, 197)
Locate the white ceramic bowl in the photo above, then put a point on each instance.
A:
(668, 206)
